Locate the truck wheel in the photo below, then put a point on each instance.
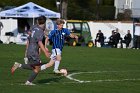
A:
(74, 43)
(90, 44)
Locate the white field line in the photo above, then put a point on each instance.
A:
(105, 80)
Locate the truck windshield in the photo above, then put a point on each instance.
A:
(74, 27)
(85, 27)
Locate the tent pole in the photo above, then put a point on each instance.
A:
(33, 20)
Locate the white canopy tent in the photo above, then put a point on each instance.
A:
(26, 11)
(29, 10)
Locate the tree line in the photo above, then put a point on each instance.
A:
(73, 9)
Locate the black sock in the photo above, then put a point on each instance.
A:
(32, 76)
(26, 66)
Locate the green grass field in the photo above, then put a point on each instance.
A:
(91, 70)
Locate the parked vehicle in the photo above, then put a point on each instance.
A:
(82, 30)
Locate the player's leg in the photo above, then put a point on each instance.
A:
(51, 62)
(24, 66)
(35, 64)
(57, 63)
(57, 53)
(45, 66)
(18, 65)
(15, 66)
(55, 59)
(33, 75)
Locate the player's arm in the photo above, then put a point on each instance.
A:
(47, 54)
(25, 58)
(27, 44)
(46, 41)
(74, 36)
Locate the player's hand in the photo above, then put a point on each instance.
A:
(76, 37)
(48, 53)
(47, 49)
(26, 60)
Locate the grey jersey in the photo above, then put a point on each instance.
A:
(36, 36)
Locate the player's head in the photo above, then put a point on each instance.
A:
(99, 31)
(41, 20)
(128, 31)
(113, 32)
(60, 23)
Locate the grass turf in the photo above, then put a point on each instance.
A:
(119, 70)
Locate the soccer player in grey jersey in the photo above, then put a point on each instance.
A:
(32, 50)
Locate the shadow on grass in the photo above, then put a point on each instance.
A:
(72, 71)
(56, 79)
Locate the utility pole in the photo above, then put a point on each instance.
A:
(58, 2)
(97, 11)
(62, 8)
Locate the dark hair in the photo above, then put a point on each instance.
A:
(41, 19)
(60, 21)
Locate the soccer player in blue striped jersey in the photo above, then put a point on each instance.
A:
(57, 36)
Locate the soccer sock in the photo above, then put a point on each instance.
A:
(26, 66)
(32, 76)
(43, 67)
(20, 65)
(56, 65)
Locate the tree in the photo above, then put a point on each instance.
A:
(50, 4)
(73, 9)
(64, 9)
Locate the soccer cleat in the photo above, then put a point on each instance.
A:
(56, 71)
(29, 83)
(15, 66)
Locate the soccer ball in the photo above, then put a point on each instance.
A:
(64, 72)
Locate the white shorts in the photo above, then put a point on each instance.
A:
(55, 52)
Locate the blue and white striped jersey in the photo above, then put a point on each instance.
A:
(58, 37)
